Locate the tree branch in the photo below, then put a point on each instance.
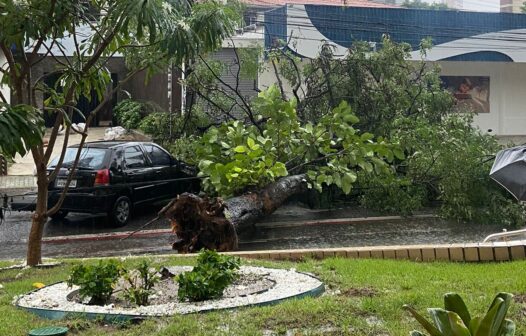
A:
(248, 110)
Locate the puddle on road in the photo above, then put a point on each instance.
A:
(392, 232)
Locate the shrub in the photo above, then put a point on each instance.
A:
(141, 282)
(455, 319)
(209, 278)
(156, 124)
(129, 113)
(184, 149)
(96, 281)
(391, 194)
(165, 126)
(447, 161)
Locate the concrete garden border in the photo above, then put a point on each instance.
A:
(51, 302)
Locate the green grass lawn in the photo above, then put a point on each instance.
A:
(364, 297)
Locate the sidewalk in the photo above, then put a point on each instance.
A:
(23, 166)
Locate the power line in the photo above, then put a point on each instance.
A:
(386, 21)
(383, 27)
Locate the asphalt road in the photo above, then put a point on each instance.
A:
(14, 231)
(291, 227)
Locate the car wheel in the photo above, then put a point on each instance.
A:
(61, 214)
(121, 213)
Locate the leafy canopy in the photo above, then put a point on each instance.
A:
(149, 34)
(236, 157)
(20, 129)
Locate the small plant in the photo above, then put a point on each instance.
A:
(455, 319)
(96, 281)
(141, 282)
(129, 113)
(209, 278)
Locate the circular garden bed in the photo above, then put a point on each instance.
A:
(254, 286)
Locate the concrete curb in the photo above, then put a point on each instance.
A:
(471, 252)
(104, 236)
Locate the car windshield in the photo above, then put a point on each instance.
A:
(90, 158)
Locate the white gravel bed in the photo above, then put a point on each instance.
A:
(289, 283)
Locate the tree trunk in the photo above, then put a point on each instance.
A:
(214, 224)
(34, 244)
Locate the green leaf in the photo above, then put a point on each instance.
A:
(251, 144)
(240, 149)
(486, 325)
(501, 313)
(351, 119)
(453, 302)
(347, 181)
(432, 330)
(458, 327)
(507, 329)
(416, 333)
(366, 137)
(399, 153)
(441, 319)
(280, 169)
(474, 324)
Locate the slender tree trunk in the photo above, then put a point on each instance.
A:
(214, 224)
(34, 244)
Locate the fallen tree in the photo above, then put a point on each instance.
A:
(254, 169)
(213, 223)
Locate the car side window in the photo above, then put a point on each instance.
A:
(117, 163)
(134, 158)
(158, 156)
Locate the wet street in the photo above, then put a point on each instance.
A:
(291, 227)
(14, 231)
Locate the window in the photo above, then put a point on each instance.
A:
(90, 158)
(134, 158)
(158, 156)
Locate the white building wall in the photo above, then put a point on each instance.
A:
(507, 115)
(5, 90)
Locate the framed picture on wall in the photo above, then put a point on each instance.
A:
(471, 92)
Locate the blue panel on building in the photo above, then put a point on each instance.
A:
(344, 25)
(275, 26)
(486, 56)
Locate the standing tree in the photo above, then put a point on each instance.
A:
(150, 34)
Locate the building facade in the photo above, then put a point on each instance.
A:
(511, 6)
(484, 51)
(456, 4)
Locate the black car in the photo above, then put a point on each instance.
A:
(112, 177)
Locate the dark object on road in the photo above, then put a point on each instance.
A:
(213, 224)
(509, 170)
(113, 177)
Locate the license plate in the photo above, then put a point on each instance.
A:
(61, 183)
